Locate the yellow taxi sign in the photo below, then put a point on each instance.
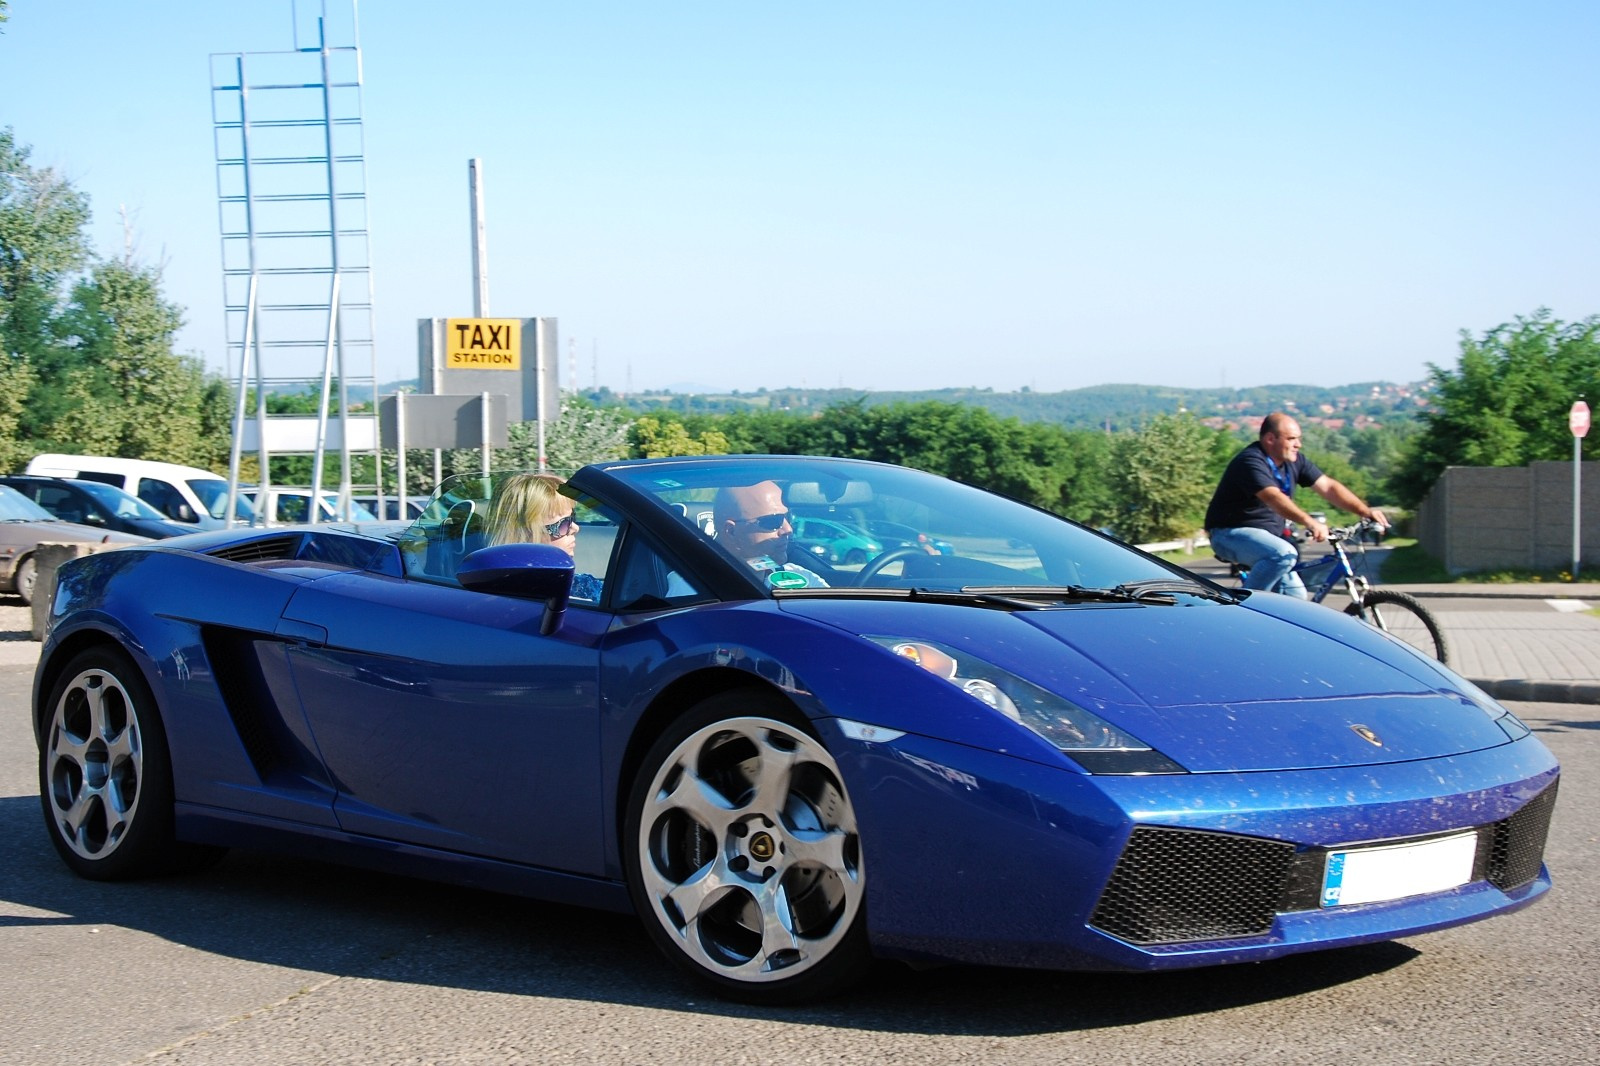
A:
(483, 344)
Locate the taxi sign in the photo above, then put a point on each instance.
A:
(483, 344)
(1578, 419)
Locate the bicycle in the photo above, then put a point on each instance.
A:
(1396, 613)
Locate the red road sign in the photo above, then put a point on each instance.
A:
(1578, 419)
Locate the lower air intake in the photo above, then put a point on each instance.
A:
(1185, 884)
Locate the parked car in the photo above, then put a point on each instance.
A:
(835, 542)
(187, 494)
(292, 505)
(391, 511)
(24, 525)
(1053, 752)
(899, 535)
(94, 503)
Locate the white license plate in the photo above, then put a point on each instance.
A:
(1395, 871)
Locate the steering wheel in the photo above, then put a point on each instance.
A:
(871, 570)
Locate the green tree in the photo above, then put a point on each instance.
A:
(581, 434)
(128, 393)
(1159, 477)
(41, 242)
(652, 438)
(1505, 403)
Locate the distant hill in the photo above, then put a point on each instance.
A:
(1112, 407)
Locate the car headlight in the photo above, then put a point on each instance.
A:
(1091, 741)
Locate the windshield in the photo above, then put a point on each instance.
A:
(844, 523)
(15, 507)
(120, 503)
(213, 495)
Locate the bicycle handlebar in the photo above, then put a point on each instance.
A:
(1355, 532)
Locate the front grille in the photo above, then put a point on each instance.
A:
(1181, 885)
(261, 550)
(1516, 844)
(1186, 884)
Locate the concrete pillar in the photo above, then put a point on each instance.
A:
(47, 558)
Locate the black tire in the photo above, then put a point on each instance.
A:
(1402, 615)
(855, 557)
(26, 577)
(105, 775)
(740, 796)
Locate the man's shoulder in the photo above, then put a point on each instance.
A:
(1251, 454)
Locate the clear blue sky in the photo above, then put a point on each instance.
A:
(895, 194)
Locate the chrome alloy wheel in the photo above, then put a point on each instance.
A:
(748, 852)
(93, 764)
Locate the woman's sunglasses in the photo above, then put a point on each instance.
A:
(561, 527)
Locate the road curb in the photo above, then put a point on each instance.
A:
(1521, 689)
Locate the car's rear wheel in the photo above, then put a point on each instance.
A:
(742, 853)
(105, 775)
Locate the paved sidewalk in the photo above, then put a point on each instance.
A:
(1544, 647)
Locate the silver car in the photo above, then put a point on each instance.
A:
(24, 525)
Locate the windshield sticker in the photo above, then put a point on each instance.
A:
(786, 579)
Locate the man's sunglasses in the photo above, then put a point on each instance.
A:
(561, 527)
(769, 522)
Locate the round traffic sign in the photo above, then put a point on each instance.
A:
(1578, 419)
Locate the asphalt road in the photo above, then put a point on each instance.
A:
(264, 960)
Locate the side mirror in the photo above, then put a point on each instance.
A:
(182, 512)
(527, 571)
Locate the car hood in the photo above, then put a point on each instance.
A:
(1257, 686)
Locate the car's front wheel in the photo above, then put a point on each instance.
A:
(742, 852)
(105, 776)
(27, 579)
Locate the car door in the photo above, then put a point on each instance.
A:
(446, 720)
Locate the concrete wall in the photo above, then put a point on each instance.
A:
(1502, 518)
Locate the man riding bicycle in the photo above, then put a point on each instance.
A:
(1245, 521)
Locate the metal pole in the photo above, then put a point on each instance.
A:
(538, 391)
(1577, 501)
(480, 243)
(321, 449)
(400, 451)
(483, 427)
(335, 331)
(234, 452)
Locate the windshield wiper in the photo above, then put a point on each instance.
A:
(1178, 586)
(1160, 591)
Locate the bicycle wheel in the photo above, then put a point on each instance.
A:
(1401, 615)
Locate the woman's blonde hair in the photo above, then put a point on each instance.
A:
(523, 505)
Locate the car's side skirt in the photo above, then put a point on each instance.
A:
(231, 829)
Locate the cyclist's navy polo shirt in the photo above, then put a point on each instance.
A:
(1235, 502)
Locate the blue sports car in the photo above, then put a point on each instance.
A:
(1045, 749)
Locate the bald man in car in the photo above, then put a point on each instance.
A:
(752, 522)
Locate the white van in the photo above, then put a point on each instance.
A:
(182, 493)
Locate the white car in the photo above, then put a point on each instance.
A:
(289, 506)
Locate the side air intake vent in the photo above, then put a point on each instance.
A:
(266, 549)
(1517, 843)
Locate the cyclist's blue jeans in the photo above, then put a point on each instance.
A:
(1269, 558)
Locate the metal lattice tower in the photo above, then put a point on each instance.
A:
(296, 258)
